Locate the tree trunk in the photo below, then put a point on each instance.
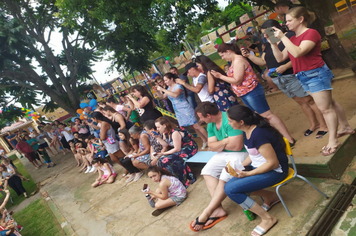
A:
(336, 56)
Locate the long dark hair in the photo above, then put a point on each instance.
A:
(208, 64)
(141, 90)
(250, 117)
(229, 46)
(101, 117)
(126, 133)
(99, 160)
(159, 170)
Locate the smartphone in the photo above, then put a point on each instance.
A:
(154, 132)
(270, 33)
(90, 120)
(145, 186)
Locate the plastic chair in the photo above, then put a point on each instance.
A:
(352, 4)
(341, 6)
(292, 173)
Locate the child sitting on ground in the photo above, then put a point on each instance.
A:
(99, 147)
(171, 191)
(125, 145)
(77, 156)
(43, 153)
(84, 153)
(107, 174)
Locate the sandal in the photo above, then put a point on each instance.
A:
(215, 221)
(308, 132)
(345, 133)
(268, 207)
(197, 222)
(327, 151)
(258, 230)
(321, 134)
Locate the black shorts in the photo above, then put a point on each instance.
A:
(43, 145)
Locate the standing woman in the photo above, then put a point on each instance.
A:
(107, 136)
(184, 112)
(304, 52)
(223, 96)
(145, 104)
(182, 147)
(288, 83)
(268, 161)
(244, 83)
(13, 181)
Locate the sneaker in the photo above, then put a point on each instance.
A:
(132, 177)
(92, 169)
(138, 175)
(88, 169)
(205, 145)
(48, 166)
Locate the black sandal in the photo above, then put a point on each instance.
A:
(308, 132)
(321, 134)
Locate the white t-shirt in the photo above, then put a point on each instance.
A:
(203, 95)
(67, 136)
(119, 108)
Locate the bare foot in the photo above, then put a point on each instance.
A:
(218, 212)
(344, 131)
(266, 225)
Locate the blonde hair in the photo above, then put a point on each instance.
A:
(297, 12)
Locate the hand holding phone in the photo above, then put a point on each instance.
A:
(154, 133)
(270, 33)
(145, 188)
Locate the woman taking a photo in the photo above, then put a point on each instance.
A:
(184, 112)
(244, 83)
(288, 83)
(223, 96)
(182, 147)
(304, 51)
(144, 103)
(268, 161)
(117, 120)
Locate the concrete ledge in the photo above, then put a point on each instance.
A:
(328, 166)
(67, 228)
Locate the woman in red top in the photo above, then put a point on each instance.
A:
(304, 52)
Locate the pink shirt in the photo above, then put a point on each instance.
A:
(119, 108)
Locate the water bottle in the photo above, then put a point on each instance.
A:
(250, 215)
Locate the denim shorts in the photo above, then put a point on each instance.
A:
(256, 100)
(290, 86)
(316, 80)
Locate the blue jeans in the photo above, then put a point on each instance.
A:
(238, 189)
(256, 100)
(316, 80)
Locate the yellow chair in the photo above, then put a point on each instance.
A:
(352, 3)
(341, 6)
(292, 173)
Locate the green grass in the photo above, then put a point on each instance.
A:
(38, 219)
(30, 186)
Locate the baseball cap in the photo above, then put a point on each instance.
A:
(154, 76)
(188, 66)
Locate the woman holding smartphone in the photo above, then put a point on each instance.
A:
(304, 51)
(288, 83)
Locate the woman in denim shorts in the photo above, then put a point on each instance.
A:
(286, 81)
(303, 50)
(244, 84)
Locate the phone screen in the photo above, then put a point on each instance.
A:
(270, 34)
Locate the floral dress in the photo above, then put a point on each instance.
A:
(175, 163)
(223, 96)
(184, 112)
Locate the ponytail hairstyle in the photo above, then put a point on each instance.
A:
(99, 160)
(250, 117)
(101, 117)
(142, 90)
(229, 46)
(297, 12)
(159, 170)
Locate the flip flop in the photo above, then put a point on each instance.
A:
(327, 151)
(321, 134)
(215, 221)
(157, 212)
(344, 133)
(258, 230)
(268, 207)
(197, 222)
(308, 132)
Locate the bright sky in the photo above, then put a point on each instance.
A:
(100, 67)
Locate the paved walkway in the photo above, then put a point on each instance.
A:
(121, 209)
